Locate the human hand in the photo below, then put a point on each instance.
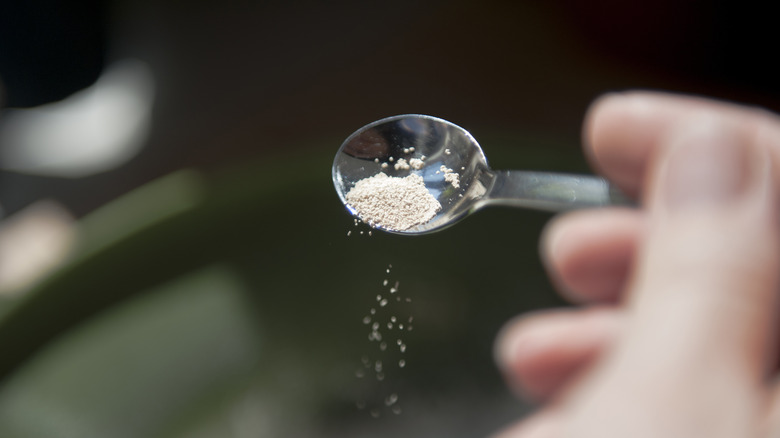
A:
(677, 334)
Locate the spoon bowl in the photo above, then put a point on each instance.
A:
(378, 146)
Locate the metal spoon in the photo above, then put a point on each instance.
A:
(444, 143)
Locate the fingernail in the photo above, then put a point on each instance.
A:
(707, 165)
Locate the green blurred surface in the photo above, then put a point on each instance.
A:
(231, 304)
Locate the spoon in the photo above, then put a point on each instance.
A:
(442, 143)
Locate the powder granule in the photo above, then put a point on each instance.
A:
(416, 163)
(450, 176)
(402, 164)
(393, 203)
(453, 179)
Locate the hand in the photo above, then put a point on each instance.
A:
(677, 334)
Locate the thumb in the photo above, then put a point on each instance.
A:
(706, 280)
(702, 298)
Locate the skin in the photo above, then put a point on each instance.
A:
(676, 329)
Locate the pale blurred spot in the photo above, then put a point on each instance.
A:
(92, 131)
(33, 242)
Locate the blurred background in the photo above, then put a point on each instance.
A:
(174, 261)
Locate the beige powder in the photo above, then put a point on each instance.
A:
(450, 176)
(402, 164)
(453, 179)
(393, 203)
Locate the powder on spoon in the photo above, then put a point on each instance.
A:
(450, 176)
(393, 203)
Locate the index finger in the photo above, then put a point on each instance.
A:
(622, 131)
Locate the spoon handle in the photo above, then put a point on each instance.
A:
(551, 191)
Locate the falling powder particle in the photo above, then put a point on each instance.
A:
(384, 165)
(447, 152)
(386, 362)
(392, 202)
(349, 233)
(391, 399)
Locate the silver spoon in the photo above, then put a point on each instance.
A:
(444, 143)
